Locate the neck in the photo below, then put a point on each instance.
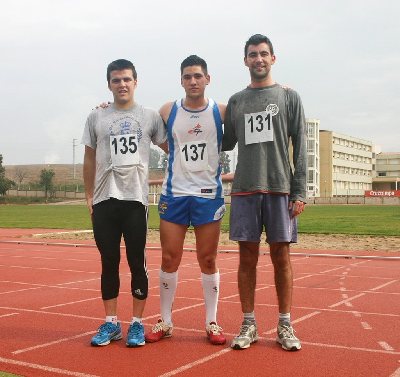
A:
(124, 105)
(268, 81)
(195, 103)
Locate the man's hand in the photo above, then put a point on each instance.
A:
(103, 105)
(296, 207)
(89, 203)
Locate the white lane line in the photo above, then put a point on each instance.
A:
(49, 269)
(8, 315)
(366, 326)
(383, 285)
(70, 303)
(52, 343)
(45, 368)
(20, 290)
(347, 300)
(386, 346)
(197, 362)
(396, 373)
(330, 270)
(297, 320)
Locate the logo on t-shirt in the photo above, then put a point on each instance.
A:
(196, 129)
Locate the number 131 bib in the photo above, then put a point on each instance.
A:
(258, 127)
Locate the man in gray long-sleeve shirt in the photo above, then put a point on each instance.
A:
(266, 192)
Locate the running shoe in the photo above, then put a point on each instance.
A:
(159, 331)
(247, 335)
(286, 337)
(214, 334)
(135, 336)
(106, 333)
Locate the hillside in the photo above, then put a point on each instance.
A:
(64, 173)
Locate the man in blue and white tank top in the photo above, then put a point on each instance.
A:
(191, 194)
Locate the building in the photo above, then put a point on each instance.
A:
(313, 159)
(346, 164)
(387, 171)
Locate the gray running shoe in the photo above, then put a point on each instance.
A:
(286, 337)
(248, 334)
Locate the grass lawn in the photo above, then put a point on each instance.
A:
(328, 219)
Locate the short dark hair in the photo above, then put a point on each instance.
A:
(119, 65)
(194, 60)
(255, 40)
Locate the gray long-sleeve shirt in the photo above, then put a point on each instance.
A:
(262, 122)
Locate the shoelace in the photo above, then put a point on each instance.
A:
(287, 332)
(214, 328)
(134, 329)
(244, 329)
(107, 327)
(159, 326)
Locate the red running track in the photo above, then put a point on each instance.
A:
(346, 311)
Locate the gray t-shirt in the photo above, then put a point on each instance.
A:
(122, 139)
(262, 122)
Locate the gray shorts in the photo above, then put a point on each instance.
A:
(252, 213)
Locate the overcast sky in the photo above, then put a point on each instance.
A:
(342, 57)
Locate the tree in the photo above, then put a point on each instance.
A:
(46, 181)
(5, 183)
(225, 162)
(20, 175)
(154, 159)
(164, 160)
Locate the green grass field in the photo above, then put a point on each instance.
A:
(339, 219)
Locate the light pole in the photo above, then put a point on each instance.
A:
(73, 157)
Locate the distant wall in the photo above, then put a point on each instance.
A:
(378, 200)
(41, 194)
(155, 197)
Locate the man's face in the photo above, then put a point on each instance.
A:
(259, 60)
(194, 81)
(122, 85)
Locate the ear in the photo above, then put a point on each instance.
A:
(208, 78)
(245, 61)
(273, 57)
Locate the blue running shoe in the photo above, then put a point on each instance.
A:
(135, 337)
(106, 333)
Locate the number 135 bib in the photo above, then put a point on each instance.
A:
(124, 150)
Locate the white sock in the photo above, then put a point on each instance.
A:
(112, 319)
(168, 284)
(136, 319)
(210, 285)
(284, 317)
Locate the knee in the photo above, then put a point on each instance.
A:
(280, 256)
(170, 262)
(207, 263)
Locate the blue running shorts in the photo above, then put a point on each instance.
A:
(190, 210)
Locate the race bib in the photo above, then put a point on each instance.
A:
(124, 150)
(258, 127)
(194, 155)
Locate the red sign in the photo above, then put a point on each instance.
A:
(388, 193)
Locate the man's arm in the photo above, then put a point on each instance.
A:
(222, 111)
(229, 138)
(165, 110)
(89, 173)
(297, 131)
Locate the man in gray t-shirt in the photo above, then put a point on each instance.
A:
(115, 170)
(266, 193)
